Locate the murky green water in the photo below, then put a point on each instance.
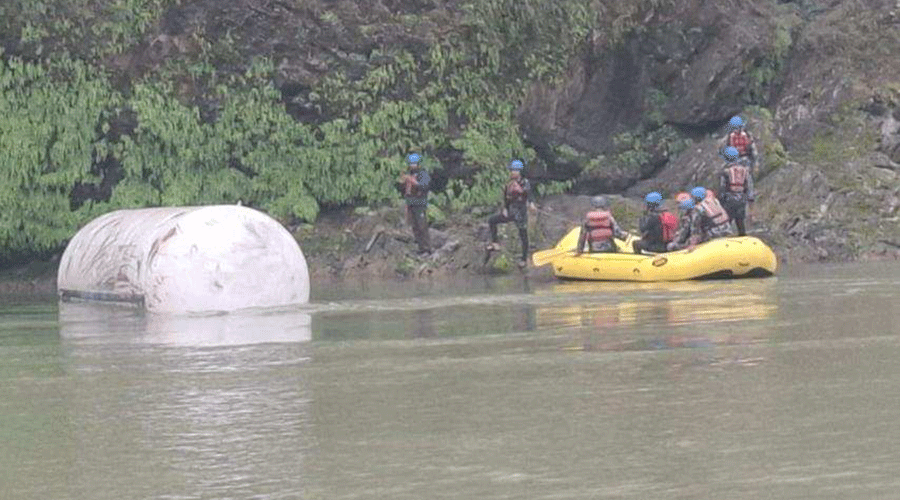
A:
(784, 388)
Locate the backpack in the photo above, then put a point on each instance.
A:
(669, 225)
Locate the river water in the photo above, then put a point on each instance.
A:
(783, 388)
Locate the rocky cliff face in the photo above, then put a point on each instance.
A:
(642, 109)
(817, 81)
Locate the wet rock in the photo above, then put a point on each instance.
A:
(438, 238)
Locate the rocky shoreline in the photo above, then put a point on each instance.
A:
(377, 244)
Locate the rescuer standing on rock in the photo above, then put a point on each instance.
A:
(516, 203)
(736, 189)
(415, 185)
(741, 140)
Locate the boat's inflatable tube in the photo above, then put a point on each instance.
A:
(185, 260)
(734, 257)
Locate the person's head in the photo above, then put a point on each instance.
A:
(600, 203)
(653, 200)
(686, 205)
(515, 169)
(413, 161)
(730, 153)
(736, 123)
(698, 194)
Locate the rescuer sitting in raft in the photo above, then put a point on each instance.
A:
(657, 226)
(599, 228)
(714, 220)
(688, 227)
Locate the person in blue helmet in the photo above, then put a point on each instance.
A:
(516, 203)
(414, 185)
(741, 140)
(714, 220)
(688, 227)
(736, 188)
(657, 226)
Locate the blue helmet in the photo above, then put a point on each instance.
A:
(516, 165)
(653, 198)
(698, 192)
(730, 153)
(736, 122)
(686, 204)
(413, 159)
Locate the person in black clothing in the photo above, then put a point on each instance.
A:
(654, 235)
(516, 203)
(415, 185)
(736, 188)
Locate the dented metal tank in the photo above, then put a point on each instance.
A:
(185, 260)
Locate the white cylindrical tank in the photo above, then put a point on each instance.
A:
(185, 260)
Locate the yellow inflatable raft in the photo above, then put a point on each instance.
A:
(736, 257)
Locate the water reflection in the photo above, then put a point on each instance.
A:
(657, 304)
(99, 322)
(660, 311)
(184, 407)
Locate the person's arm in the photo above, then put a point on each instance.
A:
(617, 231)
(751, 191)
(724, 186)
(423, 180)
(642, 225)
(696, 228)
(582, 237)
(505, 210)
(654, 228)
(684, 228)
(527, 187)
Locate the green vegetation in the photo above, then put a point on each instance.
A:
(764, 71)
(846, 136)
(92, 123)
(51, 120)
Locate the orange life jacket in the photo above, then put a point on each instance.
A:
(514, 192)
(714, 211)
(669, 226)
(409, 185)
(599, 226)
(740, 140)
(737, 178)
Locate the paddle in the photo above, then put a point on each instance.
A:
(546, 256)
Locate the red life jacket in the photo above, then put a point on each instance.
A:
(737, 178)
(599, 226)
(669, 226)
(715, 211)
(514, 192)
(740, 140)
